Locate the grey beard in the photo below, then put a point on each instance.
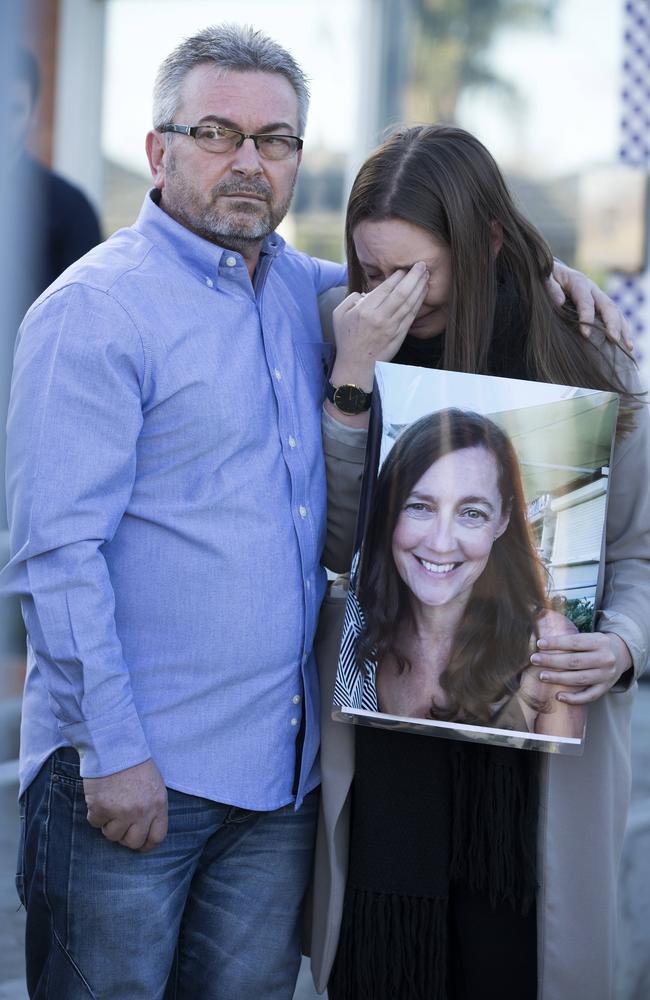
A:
(228, 231)
(232, 229)
(235, 225)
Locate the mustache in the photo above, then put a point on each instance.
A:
(242, 187)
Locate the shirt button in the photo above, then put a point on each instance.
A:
(294, 722)
(302, 510)
(278, 374)
(209, 282)
(308, 584)
(292, 441)
(296, 699)
(231, 261)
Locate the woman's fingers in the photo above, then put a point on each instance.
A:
(588, 659)
(391, 310)
(579, 677)
(348, 303)
(591, 661)
(573, 642)
(371, 327)
(401, 294)
(585, 696)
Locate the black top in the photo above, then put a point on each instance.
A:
(431, 814)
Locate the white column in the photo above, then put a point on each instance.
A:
(78, 101)
(369, 33)
(383, 31)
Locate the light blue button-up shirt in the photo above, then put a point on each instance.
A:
(167, 507)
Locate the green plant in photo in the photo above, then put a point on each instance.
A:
(579, 610)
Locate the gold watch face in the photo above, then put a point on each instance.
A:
(351, 399)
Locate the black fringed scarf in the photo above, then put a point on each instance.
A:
(429, 814)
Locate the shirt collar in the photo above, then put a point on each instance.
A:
(204, 259)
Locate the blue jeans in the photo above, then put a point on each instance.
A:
(212, 913)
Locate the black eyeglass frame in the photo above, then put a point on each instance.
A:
(191, 130)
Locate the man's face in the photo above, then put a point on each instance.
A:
(235, 198)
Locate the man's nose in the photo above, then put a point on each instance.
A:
(246, 159)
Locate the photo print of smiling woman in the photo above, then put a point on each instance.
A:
(481, 537)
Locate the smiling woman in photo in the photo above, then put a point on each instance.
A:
(450, 589)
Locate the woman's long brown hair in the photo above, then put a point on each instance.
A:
(444, 180)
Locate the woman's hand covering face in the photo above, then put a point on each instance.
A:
(371, 327)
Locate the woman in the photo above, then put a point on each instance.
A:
(450, 589)
(452, 844)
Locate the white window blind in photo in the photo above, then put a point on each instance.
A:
(578, 532)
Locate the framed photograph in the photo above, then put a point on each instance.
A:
(481, 531)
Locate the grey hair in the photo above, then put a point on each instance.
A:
(231, 47)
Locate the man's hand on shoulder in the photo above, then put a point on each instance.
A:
(591, 303)
(130, 806)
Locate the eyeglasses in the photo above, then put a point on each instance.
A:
(218, 139)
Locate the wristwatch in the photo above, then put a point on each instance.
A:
(349, 398)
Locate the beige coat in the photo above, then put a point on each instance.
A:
(584, 800)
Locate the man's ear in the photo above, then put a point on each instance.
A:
(496, 236)
(156, 149)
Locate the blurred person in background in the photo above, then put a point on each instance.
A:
(60, 223)
(166, 487)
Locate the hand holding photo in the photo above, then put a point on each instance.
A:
(588, 664)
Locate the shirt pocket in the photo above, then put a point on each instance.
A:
(315, 359)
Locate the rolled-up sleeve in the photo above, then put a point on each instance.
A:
(74, 420)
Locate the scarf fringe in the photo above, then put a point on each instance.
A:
(494, 827)
(390, 947)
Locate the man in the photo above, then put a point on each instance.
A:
(166, 491)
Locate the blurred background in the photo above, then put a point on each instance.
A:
(559, 91)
